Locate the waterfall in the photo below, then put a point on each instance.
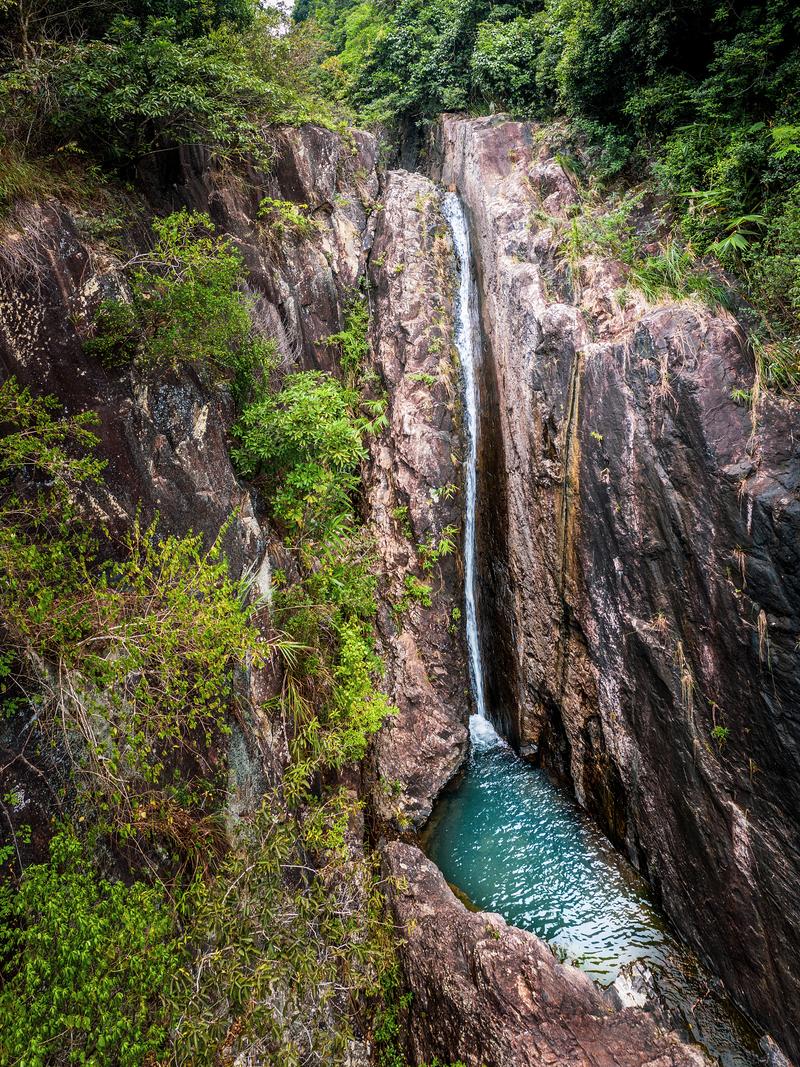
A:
(468, 344)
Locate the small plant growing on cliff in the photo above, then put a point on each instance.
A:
(444, 492)
(435, 548)
(720, 734)
(284, 216)
(401, 515)
(673, 273)
(353, 340)
(416, 592)
(425, 379)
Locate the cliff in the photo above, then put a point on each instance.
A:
(639, 587)
(631, 542)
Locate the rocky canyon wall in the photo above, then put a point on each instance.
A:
(649, 588)
(483, 992)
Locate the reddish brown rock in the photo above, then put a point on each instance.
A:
(490, 995)
(414, 498)
(640, 567)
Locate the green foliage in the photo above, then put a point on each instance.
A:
(188, 306)
(116, 333)
(402, 516)
(720, 734)
(136, 84)
(89, 965)
(282, 950)
(503, 63)
(304, 444)
(353, 340)
(434, 548)
(45, 461)
(39, 447)
(424, 379)
(252, 960)
(284, 216)
(144, 646)
(330, 695)
(673, 273)
(697, 99)
(416, 592)
(388, 1022)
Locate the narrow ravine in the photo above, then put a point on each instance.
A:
(516, 844)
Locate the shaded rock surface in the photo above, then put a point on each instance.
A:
(639, 560)
(414, 499)
(164, 434)
(493, 996)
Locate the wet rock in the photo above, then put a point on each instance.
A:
(493, 996)
(414, 499)
(639, 551)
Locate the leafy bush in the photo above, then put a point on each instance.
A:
(285, 216)
(188, 306)
(353, 341)
(503, 63)
(144, 647)
(304, 444)
(256, 959)
(136, 85)
(288, 939)
(674, 273)
(89, 965)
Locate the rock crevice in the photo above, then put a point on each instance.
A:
(650, 581)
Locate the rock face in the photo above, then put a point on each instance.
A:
(165, 435)
(302, 279)
(639, 540)
(414, 500)
(163, 438)
(493, 996)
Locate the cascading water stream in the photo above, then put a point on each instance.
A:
(517, 845)
(468, 344)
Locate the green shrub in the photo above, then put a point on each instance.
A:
(116, 333)
(188, 306)
(139, 84)
(353, 340)
(674, 273)
(285, 216)
(416, 592)
(304, 443)
(89, 965)
(288, 938)
(145, 646)
(503, 63)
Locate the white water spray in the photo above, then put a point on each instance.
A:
(468, 343)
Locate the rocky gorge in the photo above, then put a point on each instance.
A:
(637, 557)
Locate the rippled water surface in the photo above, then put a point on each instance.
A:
(516, 844)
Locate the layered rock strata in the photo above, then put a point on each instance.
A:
(639, 556)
